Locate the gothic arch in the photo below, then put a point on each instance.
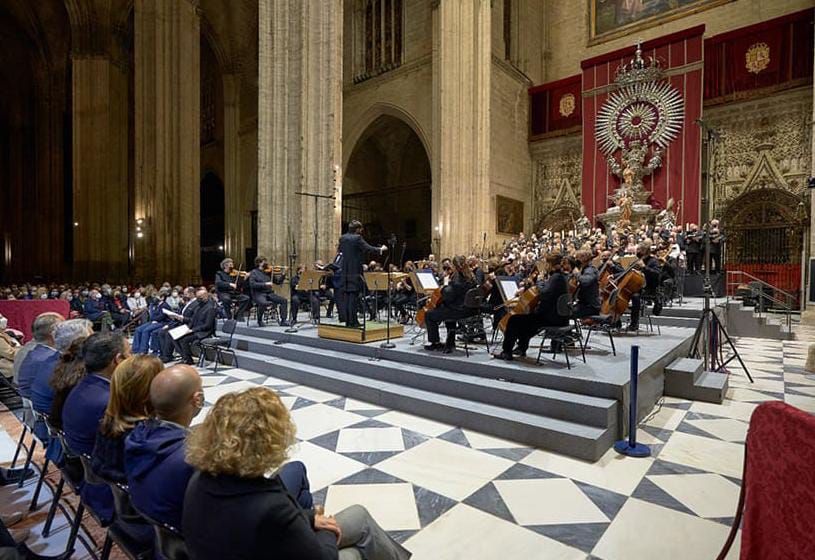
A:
(370, 116)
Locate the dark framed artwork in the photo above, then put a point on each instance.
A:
(509, 215)
(610, 19)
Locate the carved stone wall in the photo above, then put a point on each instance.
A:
(764, 143)
(556, 176)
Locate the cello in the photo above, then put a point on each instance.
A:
(432, 302)
(526, 304)
(631, 283)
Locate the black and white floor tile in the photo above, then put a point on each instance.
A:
(448, 493)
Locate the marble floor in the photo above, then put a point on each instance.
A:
(450, 494)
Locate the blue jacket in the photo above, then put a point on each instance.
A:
(41, 392)
(93, 309)
(36, 361)
(156, 470)
(81, 414)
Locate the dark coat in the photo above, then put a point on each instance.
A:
(588, 294)
(156, 470)
(108, 457)
(353, 248)
(452, 295)
(250, 518)
(202, 321)
(653, 274)
(550, 292)
(258, 281)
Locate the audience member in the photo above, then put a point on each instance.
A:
(86, 405)
(231, 510)
(201, 325)
(129, 404)
(42, 355)
(9, 346)
(69, 371)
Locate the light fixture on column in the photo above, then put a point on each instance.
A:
(76, 224)
(140, 226)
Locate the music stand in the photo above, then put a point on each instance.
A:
(310, 281)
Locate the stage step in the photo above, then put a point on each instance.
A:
(685, 378)
(562, 405)
(744, 321)
(571, 438)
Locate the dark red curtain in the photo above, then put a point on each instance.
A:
(545, 103)
(787, 43)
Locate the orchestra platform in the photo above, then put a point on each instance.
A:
(578, 412)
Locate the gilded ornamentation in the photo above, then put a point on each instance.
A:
(556, 171)
(567, 105)
(757, 57)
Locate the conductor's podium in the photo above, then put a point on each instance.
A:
(374, 331)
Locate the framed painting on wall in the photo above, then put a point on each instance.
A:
(509, 215)
(610, 19)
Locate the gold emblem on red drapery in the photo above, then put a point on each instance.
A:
(567, 105)
(757, 57)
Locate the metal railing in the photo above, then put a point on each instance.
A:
(765, 294)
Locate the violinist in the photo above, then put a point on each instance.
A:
(324, 293)
(588, 286)
(404, 293)
(650, 267)
(227, 281)
(261, 280)
(451, 308)
(521, 328)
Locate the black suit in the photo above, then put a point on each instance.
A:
(653, 274)
(451, 309)
(165, 341)
(202, 324)
(349, 280)
(229, 295)
(521, 328)
(263, 296)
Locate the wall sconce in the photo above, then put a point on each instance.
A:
(76, 224)
(140, 226)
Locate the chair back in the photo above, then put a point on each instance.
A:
(473, 299)
(564, 308)
(28, 412)
(170, 540)
(90, 476)
(777, 499)
(121, 502)
(229, 327)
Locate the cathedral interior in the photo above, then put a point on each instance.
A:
(146, 141)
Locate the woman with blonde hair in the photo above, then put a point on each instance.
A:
(129, 404)
(232, 510)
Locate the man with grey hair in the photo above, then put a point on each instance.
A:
(41, 351)
(65, 333)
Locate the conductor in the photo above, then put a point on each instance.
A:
(353, 247)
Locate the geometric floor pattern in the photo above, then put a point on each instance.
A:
(449, 494)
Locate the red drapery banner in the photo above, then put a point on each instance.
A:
(555, 106)
(679, 177)
(772, 53)
(22, 312)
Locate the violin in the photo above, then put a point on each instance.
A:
(276, 269)
(238, 273)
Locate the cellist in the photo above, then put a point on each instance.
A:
(588, 287)
(521, 328)
(451, 308)
(649, 266)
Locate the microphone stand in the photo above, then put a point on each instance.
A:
(388, 343)
(292, 328)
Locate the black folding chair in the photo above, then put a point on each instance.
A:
(473, 324)
(562, 336)
(171, 543)
(219, 345)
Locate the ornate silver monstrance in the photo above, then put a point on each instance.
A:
(639, 120)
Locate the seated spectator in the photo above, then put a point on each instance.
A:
(95, 310)
(201, 325)
(147, 332)
(129, 404)
(69, 371)
(42, 355)
(231, 510)
(9, 346)
(154, 451)
(188, 305)
(86, 406)
(137, 303)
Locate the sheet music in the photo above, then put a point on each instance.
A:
(427, 280)
(173, 314)
(180, 331)
(509, 288)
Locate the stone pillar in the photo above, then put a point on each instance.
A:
(236, 238)
(461, 108)
(167, 85)
(808, 315)
(299, 127)
(100, 189)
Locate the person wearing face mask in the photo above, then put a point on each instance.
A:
(173, 301)
(261, 280)
(145, 337)
(9, 347)
(95, 310)
(201, 324)
(78, 302)
(137, 304)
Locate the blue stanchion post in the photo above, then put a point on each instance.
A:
(630, 446)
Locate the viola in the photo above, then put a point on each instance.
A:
(433, 301)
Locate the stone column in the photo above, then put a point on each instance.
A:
(808, 315)
(461, 105)
(235, 239)
(299, 126)
(100, 189)
(167, 85)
